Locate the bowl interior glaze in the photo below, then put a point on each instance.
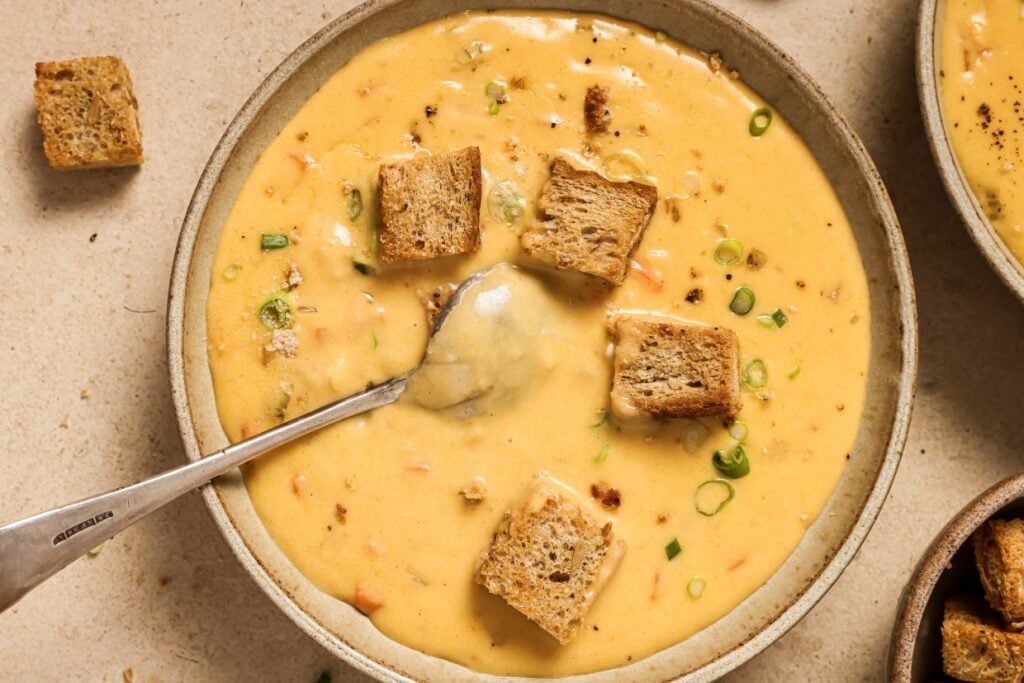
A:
(831, 541)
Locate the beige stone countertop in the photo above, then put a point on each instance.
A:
(84, 398)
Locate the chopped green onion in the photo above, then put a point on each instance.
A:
(712, 496)
(275, 313)
(473, 51)
(660, 36)
(733, 464)
(373, 336)
(728, 252)
(755, 374)
(742, 301)
(494, 109)
(364, 268)
(795, 372)
(231, 272)
(495, 90)
(602, 422)
(673, 549)
(505, 202)
(603, 455)
(268, 241)
(760, 120)
(779, 317)
(738, 430)
(766, 321)
(354, 204)
(695, 587)
(97, 550)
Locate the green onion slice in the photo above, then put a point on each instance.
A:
(795, 372)
(602, 422)
(354, 204)
(755, 374)
(231, 272)
(268, 241)
(494, 109)
(779, 317)
(712, 496)
(364, 268)
(673, 549)
(495, 90)
(603, 455)
(742, 301)
(732, 463)
(695, 587)
(766, 321)
(760, 120)
(275, 313)
(505, 202)
(728, 252)
(660, 36)
(738, 430)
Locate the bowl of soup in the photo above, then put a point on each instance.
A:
(765, 222)
(970, 55)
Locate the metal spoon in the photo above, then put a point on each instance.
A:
(36, 548)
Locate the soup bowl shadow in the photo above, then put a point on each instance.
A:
(831, 541)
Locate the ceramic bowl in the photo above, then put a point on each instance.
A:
(946, 569)
(995, 251)
(831, 541)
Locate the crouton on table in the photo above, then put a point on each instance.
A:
(975, 647)
(550, 559)
(88, 114)
(590, 224)
(430, 206)
(667, 368)
(999, 553)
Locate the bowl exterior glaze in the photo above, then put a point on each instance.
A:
(995, 251)
(831, 541)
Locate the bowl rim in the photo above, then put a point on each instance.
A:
(1009, 268)
(903, 305)
(929, 569)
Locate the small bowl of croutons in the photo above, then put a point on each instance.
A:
(961, 616)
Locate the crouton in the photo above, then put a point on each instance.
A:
(590, 224)
(436, 301)
(596, 115)
(550, 559)
(974, 645)
(88, 114)
(430, 206)
(999, 553)
(667, 368)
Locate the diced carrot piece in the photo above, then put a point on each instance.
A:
(366, 602)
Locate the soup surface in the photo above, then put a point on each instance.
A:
(370, 509)
(982, 63)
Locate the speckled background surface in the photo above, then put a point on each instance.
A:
(84, 402)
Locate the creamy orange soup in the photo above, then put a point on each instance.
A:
(371, 507)
(982, 91)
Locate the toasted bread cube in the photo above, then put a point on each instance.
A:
(667, 368)
(999, 553)
(596, 115)
(975, 647)
(430, 206)
(88, 113)
(590, 224)
(550, 559)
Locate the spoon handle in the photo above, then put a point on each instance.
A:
(35, 548)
